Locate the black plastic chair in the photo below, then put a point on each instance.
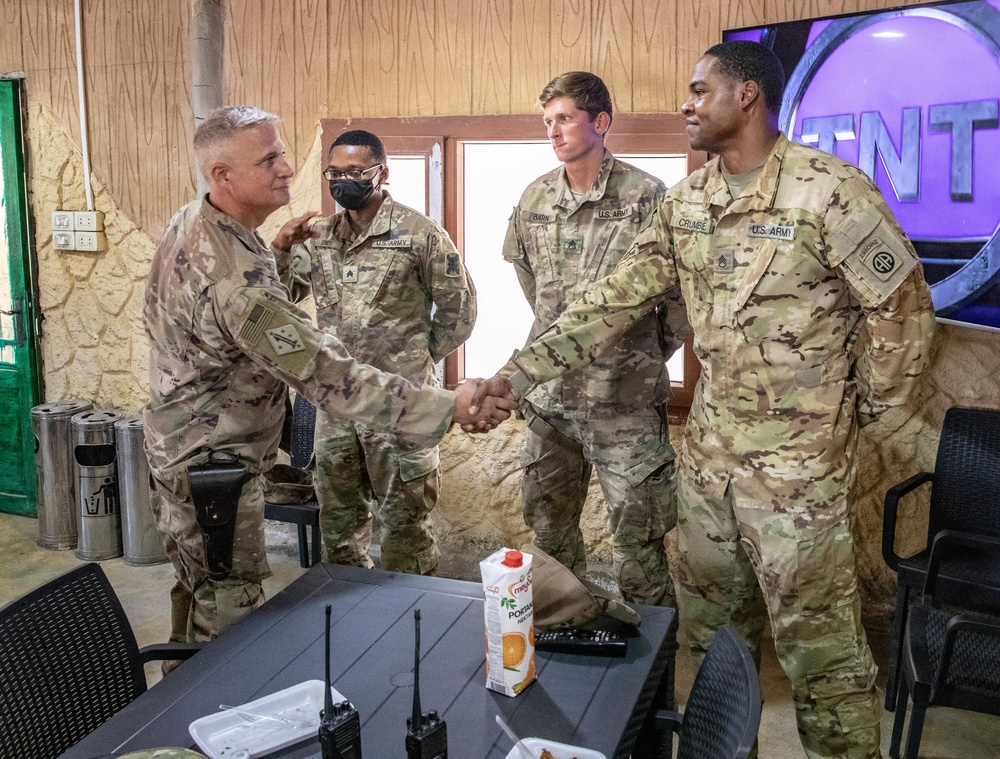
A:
(949, 659)
(68, 661)
(723, 710)
(302, 515)
(965, 496)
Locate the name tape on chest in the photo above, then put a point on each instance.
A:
(395, 242)
(614, 214)
(699, 224)
(540, 218)
(771, 231)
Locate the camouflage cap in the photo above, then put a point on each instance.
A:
(561, 599)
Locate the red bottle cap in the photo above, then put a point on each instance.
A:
(512, 559)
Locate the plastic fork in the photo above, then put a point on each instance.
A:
(297, 724)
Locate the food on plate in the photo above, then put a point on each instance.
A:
(546, 754)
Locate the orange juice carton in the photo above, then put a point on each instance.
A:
(510, 632)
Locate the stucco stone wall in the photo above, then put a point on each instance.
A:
(93, 346)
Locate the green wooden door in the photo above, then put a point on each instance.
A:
(20, 385)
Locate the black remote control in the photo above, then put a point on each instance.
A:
(575, 641)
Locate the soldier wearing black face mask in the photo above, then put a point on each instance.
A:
(378, 271)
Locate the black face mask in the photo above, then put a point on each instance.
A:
(352, 194)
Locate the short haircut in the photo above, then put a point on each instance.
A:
(362, 139)
(221, 125)
(587, 91)
(743, 61)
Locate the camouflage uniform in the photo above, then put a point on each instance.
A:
(811, 317)
(605, 416)
(375, 292)
(224, 340)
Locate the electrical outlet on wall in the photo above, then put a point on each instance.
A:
(88, 221)
(89, 241)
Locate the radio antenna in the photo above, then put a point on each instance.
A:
(417, 720)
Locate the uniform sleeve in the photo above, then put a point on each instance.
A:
(279, 337)
(638, 285)
(293, 271)
(513, 251)
(871, 253)
(671, 315)
(454, 296)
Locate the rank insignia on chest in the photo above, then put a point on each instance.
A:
(350, 274)
(454, 267)
(285, 340)
(572, 246)
(724, 261)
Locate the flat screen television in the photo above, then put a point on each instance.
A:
(911, 96)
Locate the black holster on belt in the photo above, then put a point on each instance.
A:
(215, 490)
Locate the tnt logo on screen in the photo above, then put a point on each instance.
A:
(912, 97)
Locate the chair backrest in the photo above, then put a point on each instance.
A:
(68, 661)
(723, 711)
(303, 432)
(966, 491)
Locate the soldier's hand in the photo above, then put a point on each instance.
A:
(490, 412)
(295, 231)
(495, 387)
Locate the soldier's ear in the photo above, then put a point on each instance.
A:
(749, 94)
(219, 173)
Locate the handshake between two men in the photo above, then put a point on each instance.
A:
(482, 404)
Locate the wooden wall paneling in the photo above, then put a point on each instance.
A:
(611, 37)
(654, 56)
(177, 160)
(416, 44)
(491, 56)
(531, 61)
(278, 60)
(50, 59)
(742, 14)
(116, 44)
(452, 49)
(11, 55)
(569, 37)
(241, 53)
(311, 72)
(348, 90)
(699, 26)
(380, 47)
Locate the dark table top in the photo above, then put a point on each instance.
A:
(591, 701)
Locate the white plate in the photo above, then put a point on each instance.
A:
(221, 734)
(559, 750)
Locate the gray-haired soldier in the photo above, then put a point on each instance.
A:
(811, 318)
(224, 341)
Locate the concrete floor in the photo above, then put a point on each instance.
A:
(948, 733)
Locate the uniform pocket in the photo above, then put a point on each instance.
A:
(416, 464)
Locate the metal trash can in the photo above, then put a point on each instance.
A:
(140, 539)
(97, 473)
(55, 475)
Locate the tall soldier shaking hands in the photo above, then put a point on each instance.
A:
(811, 318)
(224, 341)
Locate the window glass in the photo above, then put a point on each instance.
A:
(496, 174)
(408, 181)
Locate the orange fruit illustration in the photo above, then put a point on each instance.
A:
(531, 636)
(515, 646)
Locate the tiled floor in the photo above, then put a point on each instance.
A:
(948, 734)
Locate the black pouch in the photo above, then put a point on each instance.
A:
(215, 490)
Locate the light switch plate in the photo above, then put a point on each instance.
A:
(62, 240)
(62, 221)
(88, 221)
(90, 241)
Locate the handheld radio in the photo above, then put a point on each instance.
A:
(426, 734)
(339, 724)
